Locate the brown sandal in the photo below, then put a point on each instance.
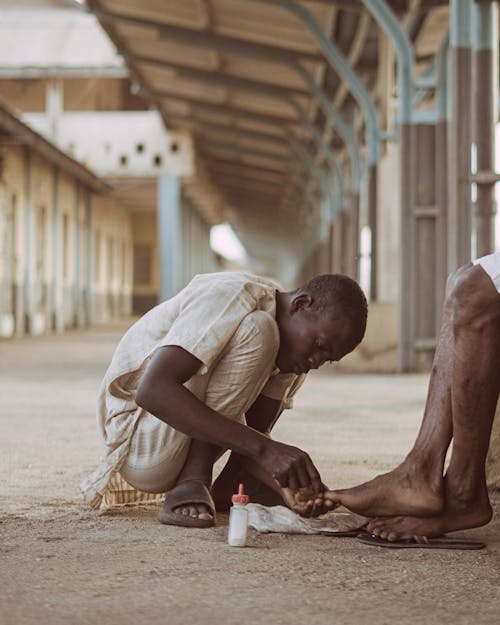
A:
(183, 494)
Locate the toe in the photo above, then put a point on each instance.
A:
(193, 510)
(377, 523)
(202, 512)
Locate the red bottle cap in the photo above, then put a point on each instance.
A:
(240, 497)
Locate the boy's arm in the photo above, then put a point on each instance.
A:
(162, 393)
(262, 416)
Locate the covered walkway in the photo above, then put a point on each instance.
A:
(332, 136)
(62, 564)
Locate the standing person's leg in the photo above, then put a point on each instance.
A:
(416, 486)
(475, 391)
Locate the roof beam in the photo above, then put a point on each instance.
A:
(251, 187)
(233, 168)
(245, 179)
(218, 79)
(200, 106)
(241, 151)
(235, 132)
(245, 170)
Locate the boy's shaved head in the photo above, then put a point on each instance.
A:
(341, 297)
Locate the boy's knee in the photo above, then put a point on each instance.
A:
(470, 296)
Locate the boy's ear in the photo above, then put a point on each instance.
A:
(301, 302)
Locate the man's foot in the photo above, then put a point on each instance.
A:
(402, 491)
(457, 515)
(188, 504)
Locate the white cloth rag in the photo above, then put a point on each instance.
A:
(285, 521)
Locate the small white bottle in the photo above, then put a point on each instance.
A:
(238, 519)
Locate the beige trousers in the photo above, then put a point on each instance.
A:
(157, 451)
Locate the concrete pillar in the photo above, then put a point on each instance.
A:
(355, 236)
(337, 244)
(441, 159)
(331, 247)
(426, 245)
(372, 223)
(77, 277)
(54, 106)
(189, 270)
(345, 238)
(89, 251)
(57, 320)
(460, 136)
(485, 98)
(170, 243)
(28, 251)
(407, 300)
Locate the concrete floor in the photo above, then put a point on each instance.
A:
(61, 563)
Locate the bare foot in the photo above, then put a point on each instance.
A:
(456, 516)
(404, 490)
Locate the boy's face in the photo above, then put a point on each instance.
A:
(308, 339)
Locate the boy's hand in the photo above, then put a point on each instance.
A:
(305, 503)
(291, 467)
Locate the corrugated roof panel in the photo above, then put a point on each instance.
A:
(176, 107)
(167, 80)
(249, 124)
(233, 138)
(181, 12)
(173, 52)
(264, 104)
(273, 73)
(128, 31)
(265, 23)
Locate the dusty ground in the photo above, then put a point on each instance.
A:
(60, 563)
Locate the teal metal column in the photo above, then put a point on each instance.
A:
(169, 235)
(318, 175)
(320, 143)
(407, 297)
(347, 135)
(460, 135)
(334, 204)
(345, 132)
(342, 67)
(485, 89)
